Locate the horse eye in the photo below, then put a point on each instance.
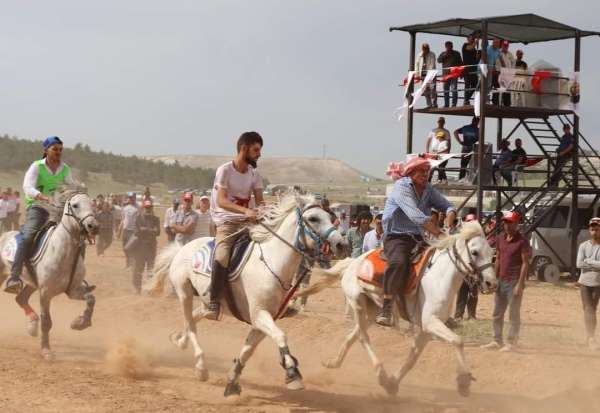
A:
(75, 205)
(313, 219)
(475, 253)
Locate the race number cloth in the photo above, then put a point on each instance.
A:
(239, 187)
(10, 248)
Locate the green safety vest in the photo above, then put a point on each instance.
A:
(46, 182)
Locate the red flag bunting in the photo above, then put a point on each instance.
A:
(536, 81)
(454, 73)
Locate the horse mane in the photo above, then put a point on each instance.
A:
(65, 192)
(273, 215)
(467, 231)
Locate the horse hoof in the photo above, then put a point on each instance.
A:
(232, 389)
(32, 328)
(47, 354)
(295, 385)
(202, 374)
(391, 388)
(81, 323)
(463, 382)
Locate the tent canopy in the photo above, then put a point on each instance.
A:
(520, 28)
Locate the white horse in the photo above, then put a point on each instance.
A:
(293, 227)
(60, 269)
(466, 254)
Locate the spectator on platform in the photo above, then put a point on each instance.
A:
(520, 63)
(470, 135)
(470, 58)
(147, 230)
(512, 265)
(186, 220)
(205, 226)
(493, 52)
(357, 234)
(505, 60)
(504, 163)
(519, 154)
(440, 147)
(169, 220)
(450, 58)
(106, 222)
(441, 122)
(426, 61)
(374, 238)
(564, 153)
(588, 261)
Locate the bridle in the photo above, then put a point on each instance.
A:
(473, 274)
(70, 213)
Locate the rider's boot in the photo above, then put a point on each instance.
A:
(14, 285)
(384, 317)
(217, 283)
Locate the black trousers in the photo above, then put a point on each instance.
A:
(398, 250)
(470, 83)
(466, 297)
(144, 257)
(560, 163)
(464, 163)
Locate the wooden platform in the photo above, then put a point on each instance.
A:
(493, 111)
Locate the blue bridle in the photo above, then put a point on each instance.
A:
(304, 229)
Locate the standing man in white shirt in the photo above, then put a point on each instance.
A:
(588, 261)
(374, 238)
(169, 221)
(235, 183)
(204, 225)
(426, 61)
(127, 226)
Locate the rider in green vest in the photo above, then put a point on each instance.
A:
(41, 180)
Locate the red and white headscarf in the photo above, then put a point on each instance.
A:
(397, 170)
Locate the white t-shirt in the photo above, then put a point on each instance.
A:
(130, 213)
(12, 204)
(371, 241)
(170, 215)
(439, 146)
(431, 137)
(239, 186)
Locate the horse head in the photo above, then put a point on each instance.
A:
(319, 232)
(77, 205)
(472, 255)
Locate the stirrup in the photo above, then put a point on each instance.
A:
(13, 286)
(213, 311)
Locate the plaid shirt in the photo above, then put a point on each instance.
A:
(405, 212)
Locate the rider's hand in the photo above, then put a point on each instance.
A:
(251, 215)
(42, 197)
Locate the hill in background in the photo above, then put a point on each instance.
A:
(285, 170)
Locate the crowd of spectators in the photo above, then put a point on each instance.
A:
(10, 207)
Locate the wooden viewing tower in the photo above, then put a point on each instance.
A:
(581, 176)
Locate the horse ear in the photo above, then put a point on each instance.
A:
(300, 200)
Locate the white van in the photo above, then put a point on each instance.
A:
(556, 230)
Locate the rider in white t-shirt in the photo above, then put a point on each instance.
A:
(235, 183)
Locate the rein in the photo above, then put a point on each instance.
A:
(469, 269)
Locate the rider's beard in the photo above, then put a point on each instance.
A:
(252, 162)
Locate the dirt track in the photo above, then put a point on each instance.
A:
(551, 372)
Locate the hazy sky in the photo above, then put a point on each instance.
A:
(154, 77)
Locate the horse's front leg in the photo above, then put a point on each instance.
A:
(252, 340)
(23, 300)
(85, 320)
(435, 326)
(46, 321)
(265, 323)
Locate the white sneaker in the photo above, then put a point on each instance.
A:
(493, 345)
(507, 348)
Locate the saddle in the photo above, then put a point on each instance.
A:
(40, 243)
(370, 271)
(202, 260)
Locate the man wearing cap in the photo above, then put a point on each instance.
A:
(441, 122)
(235, 183)
(564, 151)
(43, 177)
(205, 226)
(129, 214)
(470, 135)
(186, 220)
(512, 265)
(147, 229)
(406, 216)
(588, 261)
(169, 220)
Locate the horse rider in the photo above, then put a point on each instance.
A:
(235, 182)
(42, 178)
(406, 214)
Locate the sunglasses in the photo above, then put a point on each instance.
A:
(594, 225)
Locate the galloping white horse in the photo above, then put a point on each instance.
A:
(60, 269)
(289, 229)
(466, 254)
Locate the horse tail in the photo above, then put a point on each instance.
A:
(155, 285)
(330, 277)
